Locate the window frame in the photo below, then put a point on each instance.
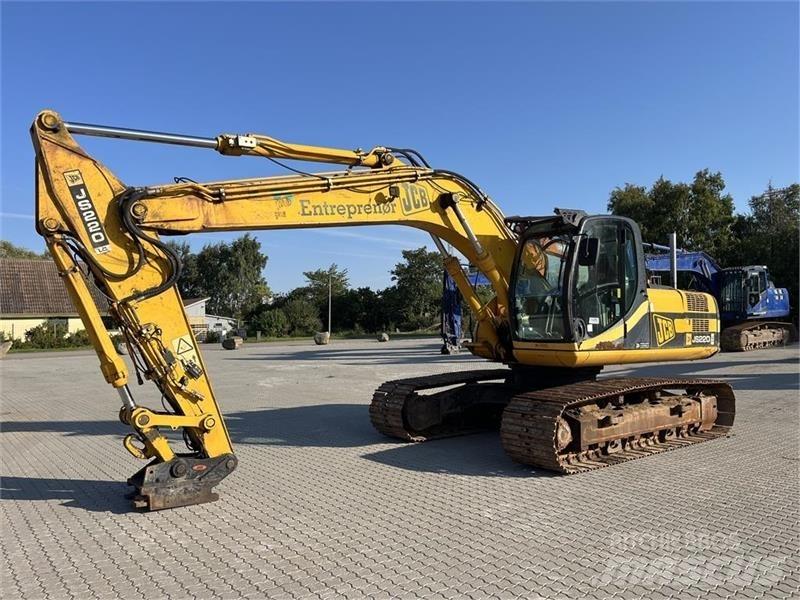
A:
(624, 232)
(575, 234)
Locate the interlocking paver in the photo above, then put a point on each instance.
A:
(324, 507)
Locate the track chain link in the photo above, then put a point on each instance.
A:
(528, 429)
(755, 335)
(389, 400)
(530, 420)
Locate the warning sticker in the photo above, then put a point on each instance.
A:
(183, 346)
(184, 349)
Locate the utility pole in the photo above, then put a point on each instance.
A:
(330, 293)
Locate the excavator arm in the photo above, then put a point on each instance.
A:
(101, 232)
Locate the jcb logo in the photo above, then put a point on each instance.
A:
(665, 329)
(414, 199)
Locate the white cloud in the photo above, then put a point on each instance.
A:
(406, 244)
(356, 254)
(11, 215)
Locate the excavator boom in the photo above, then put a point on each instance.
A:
(92, 221)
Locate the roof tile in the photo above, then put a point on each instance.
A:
(34, 287)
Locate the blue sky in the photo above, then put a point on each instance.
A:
(542, 104)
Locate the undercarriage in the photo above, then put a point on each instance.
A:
(558, 425)
(754, 335)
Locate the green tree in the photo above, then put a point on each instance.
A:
(359, 310)
(634, 202)
(190, 283)
(418, 281)
(390, 305)
(247, 286)
(301, 316)
(316, 289)
(271, 322)
(230, 275)
(317, 285)
(9, 250)
(699, 212)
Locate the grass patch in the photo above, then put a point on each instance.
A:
(64, 349)
(405, 335)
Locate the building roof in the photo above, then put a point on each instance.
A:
(33, 287)
(220, 318)
(192, 301)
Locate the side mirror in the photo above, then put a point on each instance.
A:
(588, 250)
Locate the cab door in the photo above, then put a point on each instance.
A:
(608, 292)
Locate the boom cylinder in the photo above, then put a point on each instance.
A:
(484, 261)
(467, 229)
(140, 135)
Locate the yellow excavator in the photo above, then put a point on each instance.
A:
(570, 296)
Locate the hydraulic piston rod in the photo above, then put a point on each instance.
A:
(142, 136)
(232, 144)
(484, 261)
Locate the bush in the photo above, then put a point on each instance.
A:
(213, 337)
(52, 334)
(414, 322)
(302, 317)
(271, 323)
(79, 338)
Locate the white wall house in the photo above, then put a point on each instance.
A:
(221, 325)
(32, 293)
(196, 311)
(202, 323)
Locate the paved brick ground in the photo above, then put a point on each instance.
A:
(322, 506)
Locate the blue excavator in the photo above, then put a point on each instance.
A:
(754, 313)
(751, 308)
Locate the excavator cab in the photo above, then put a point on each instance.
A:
(748, 293)
(741, 290)
(576, 276)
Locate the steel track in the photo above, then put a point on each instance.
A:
(389, 401)
(755, 335)
(529, 421)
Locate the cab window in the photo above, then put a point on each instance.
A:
(762, 281)
(754, 288)
(538, 291)
(605, 291)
